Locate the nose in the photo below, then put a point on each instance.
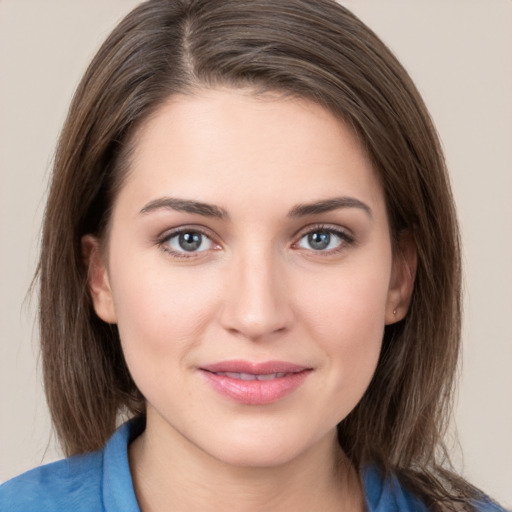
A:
(256, 303)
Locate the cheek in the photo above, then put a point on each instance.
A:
(347, 321)
(161, 314)
(347, 301)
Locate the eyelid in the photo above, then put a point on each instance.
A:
(345, 234)
(322, 226)
(165, 236)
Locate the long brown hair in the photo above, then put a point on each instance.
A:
(312, 49)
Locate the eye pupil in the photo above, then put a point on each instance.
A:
(319, 240)
(190, 241)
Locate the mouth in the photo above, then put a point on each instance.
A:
(252, 376)
(255, 383)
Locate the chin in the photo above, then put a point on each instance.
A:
(257, 456)
(273, 448)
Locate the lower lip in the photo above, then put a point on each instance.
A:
(256, 392)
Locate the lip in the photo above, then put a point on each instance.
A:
(253, 383)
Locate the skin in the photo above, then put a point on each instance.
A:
(256, 290)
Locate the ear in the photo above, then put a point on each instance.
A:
(402, 279)
(97, 279)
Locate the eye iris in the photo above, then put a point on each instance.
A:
(319, 240)
(190, 241)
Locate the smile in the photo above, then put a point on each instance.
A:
(252, 376)
(255, 383)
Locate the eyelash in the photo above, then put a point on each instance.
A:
(344, 237)
(163, 242)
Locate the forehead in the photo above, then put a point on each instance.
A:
(234, 148)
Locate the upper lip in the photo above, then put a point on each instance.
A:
(263, 368)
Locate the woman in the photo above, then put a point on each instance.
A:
(250, 247)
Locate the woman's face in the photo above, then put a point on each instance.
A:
(249, 269)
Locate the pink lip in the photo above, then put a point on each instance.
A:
(255, 392)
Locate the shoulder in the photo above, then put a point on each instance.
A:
(98, 481)
(488, 505)
(69, 484)
(385, 493)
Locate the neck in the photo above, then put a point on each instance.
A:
(171, 474)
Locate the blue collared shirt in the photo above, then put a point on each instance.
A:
(101, 482)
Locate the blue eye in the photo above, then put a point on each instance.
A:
(323, 240)
(188, 241)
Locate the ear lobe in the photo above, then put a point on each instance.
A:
(402, 279)
(97, 279)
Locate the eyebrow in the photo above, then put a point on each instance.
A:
(328, 205)
(210, 210)
(184, 205)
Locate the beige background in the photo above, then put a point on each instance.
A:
(458, 51)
